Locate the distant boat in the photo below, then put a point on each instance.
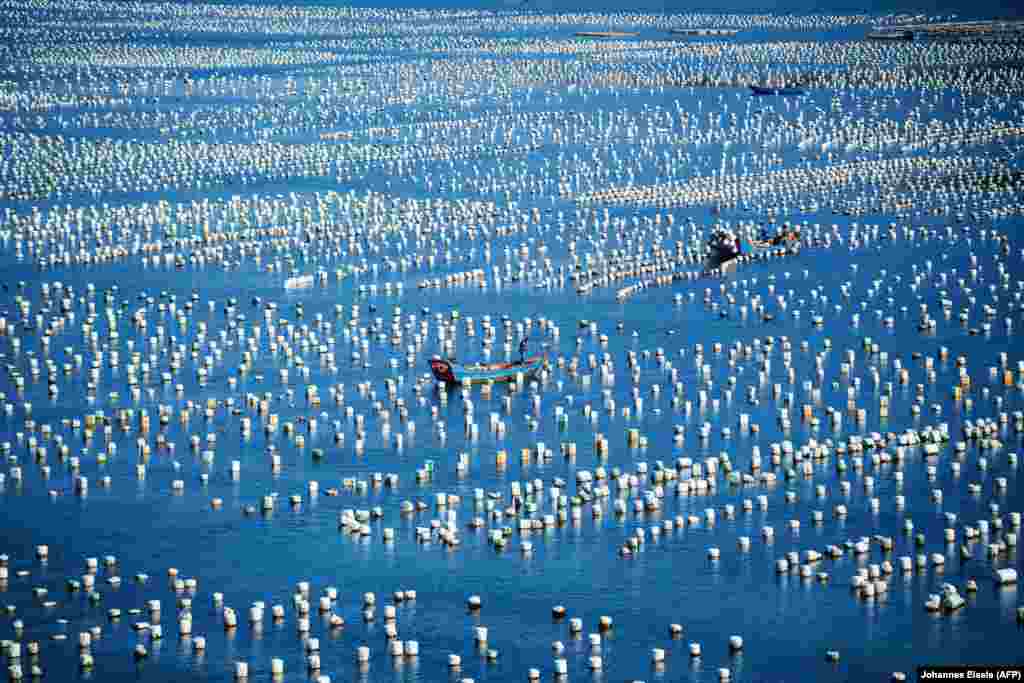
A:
(777, 90)
(891, 35)
(456, 373)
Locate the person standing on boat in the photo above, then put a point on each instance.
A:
(522, 349)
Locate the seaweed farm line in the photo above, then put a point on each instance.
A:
(233, 237)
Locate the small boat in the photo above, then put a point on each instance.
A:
(723, 246)
(456, 373)
(790, 90)
(889, 34)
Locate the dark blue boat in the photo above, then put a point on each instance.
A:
(790, 90)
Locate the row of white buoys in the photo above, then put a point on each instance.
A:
(769, 124)
(723, 190)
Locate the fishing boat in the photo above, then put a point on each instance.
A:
(456, 373)
(890, 34)
(724, 247)
(786, 90)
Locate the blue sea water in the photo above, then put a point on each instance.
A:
(788, 623)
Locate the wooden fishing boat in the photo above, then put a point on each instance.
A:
(722, 248)
(788, 90)
(457, 373)
(890, 34)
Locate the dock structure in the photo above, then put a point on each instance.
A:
(981, 31)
